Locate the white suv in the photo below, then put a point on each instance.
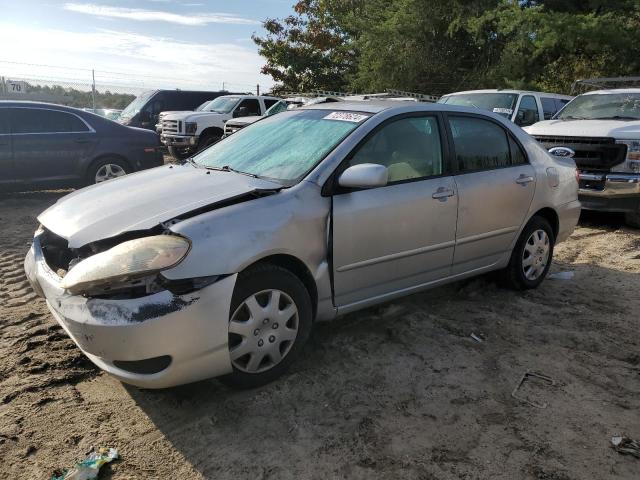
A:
(600, 130)
(188, 132)
(522, 107)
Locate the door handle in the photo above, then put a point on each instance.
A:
(524, 179)
(442, 194)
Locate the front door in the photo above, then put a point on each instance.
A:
(397, 237)
(495, 186)
(49, 145)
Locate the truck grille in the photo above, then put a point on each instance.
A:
(229, 129)
(171, 126)
(592, 153)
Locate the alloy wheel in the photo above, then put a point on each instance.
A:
(535, 256)
(109, 171)
(262, 331)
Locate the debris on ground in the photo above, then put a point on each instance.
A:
(566, 275)
(528, 375)
(89, 468)
(626, 446)
(477, 338)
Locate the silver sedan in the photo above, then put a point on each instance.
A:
(220, 266)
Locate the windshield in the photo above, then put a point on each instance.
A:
(221, 104)
(134, 107)
(500, 103)
(203, 106)
(283, 147)
(615, 106)
(277, 107)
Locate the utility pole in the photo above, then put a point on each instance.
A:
(258, 89)
(223, 86)
(93, 88)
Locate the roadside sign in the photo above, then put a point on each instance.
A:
(16, 86)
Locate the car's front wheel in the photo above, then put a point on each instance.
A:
(270, 321)
(531, 258)
(107, 169)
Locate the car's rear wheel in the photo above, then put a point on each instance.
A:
(270, 321)
(179, 153)
(531, 257)
(107, 169)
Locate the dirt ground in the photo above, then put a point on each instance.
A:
(399, 391)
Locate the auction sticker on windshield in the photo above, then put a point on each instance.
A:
(346, 117)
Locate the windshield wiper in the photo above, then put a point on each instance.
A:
(617, 117)
(227, 168)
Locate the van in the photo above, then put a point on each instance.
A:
(143, 111)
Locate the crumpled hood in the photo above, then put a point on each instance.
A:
(587, 128)
(193, 116)
(143, 200)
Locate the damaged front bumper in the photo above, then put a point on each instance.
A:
(156, 341)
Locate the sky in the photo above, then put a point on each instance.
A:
(142, 43)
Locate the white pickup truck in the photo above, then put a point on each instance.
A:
(185, 133)
(600, 130)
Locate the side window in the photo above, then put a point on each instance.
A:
(409, 148)
(248, 108)
(479, 144)
(269, 103)
(549, 107)
(36, 120)
(517, 155)
(4, 121)
(527, 112)
(560, 103)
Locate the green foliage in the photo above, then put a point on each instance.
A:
(438, 46)
(77, 98)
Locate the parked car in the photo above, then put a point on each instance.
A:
(302, 216)
(600, 130)
(143, 111)
(187, 133)
(520, 106)
(161, 115)
(47, 145)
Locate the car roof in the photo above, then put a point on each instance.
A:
(377, 106)
(27, 103)
(612, 91)
(508, 90)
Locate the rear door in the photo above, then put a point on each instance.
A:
(50, 145)
(400, 236)
(7, 170)
(495, 185)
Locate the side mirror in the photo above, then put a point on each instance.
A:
(241, 112)
(365, 175)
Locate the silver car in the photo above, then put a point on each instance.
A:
(220, 266)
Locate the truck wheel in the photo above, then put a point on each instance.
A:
(531, 257)
(632, 219)
(207, 140)
(179, 153)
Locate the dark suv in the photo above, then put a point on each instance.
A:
(46, 145)
(143, 111)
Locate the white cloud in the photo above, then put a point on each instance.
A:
(149, 61)
(143, 15)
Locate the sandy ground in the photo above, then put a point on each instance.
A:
(399, 391)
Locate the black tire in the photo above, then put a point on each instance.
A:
(207, 140)
(96, 166)
(179, 153)
(514, 276)
(632, 219)
(257, 279)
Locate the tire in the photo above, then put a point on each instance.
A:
(520, 276)
(632, 219)
(179, 153)
(207, 140)
(106, 169)
(257, 338)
